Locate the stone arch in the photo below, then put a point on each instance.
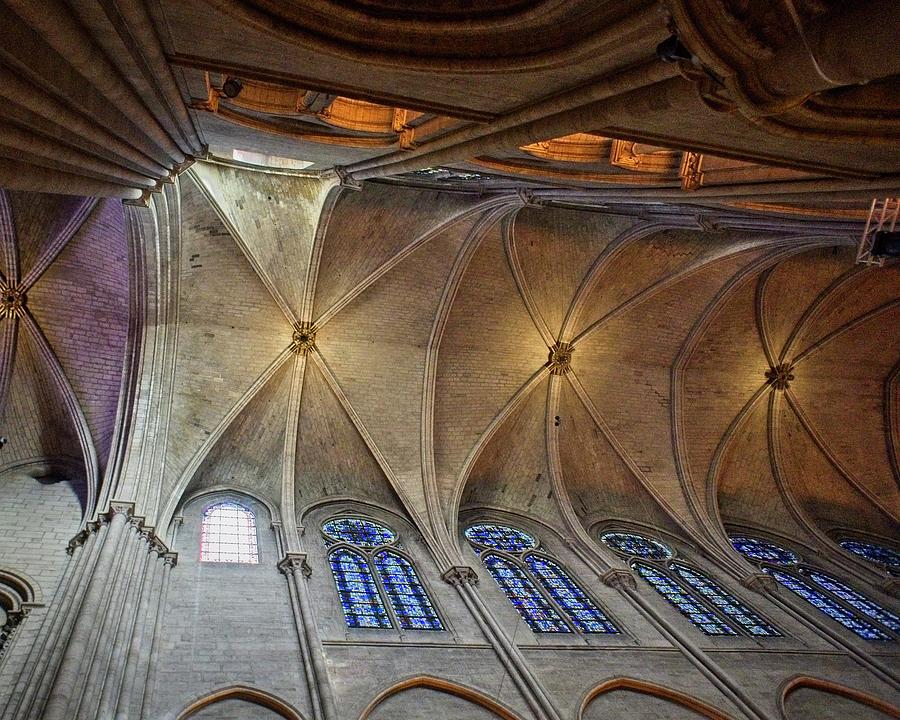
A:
(245, 693)
(699, 708)
(879, 708)
(439, 685)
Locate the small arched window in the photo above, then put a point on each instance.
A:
(228, 534)
(827, 594)
(368, 565)
(884, 557)
(692, 592)
(542, 592)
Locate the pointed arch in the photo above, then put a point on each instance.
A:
(245, 693)
(800, 682)
(444, 686)
(649, 688)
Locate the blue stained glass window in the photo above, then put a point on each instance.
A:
(857, 600)
(360, 599)
(725, 601)
(582, 611)
(411, 604)
(874, 553)
(525, 597)
(637, 545)
(707, 621)
(359, 532)
(828, 606)
(500, 537)
(763, 550)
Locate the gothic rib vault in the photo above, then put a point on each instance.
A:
(432, 332)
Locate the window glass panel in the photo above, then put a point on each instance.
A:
(686, 605)
(828, 606)
(411, 604)
(637, 545)
(360, 599)
(525, 597)
(856, 599)
(582, 611)
(725, 601)
(357, 531)
(500, 537)
(874, 553)
(228, 534)
(757, 549)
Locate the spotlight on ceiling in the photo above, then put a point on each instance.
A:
(886, 244)
(672, 50)
(232, 87)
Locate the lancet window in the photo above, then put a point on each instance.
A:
(884, 557)
(228, 534)
(376, 582)
(539, 588)
(698, 597)
(831, 596)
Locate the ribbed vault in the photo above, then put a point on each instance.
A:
(429, 388)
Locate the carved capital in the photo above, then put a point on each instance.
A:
(117, 507)
(292, 562)
(460, 575)
(346, 179)
(170, 559)
(619, 578)
(759, 583)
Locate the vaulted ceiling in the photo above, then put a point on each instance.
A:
(396, 344)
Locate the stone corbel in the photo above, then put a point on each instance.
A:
(619, 578)
(759, 583)
(292, 562)
(346, 179)
(529, 199)
(460, 575)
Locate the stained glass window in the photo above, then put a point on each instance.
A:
(828, 606)
(874, 553)
(637, 545)
(582, 611)
(762, 550)
(500, 537)
(360, 599)
(359, 532)
(856, 599)
(408, 598)
(707, 621)
(725, 601)
(228, 534)
(525, 597)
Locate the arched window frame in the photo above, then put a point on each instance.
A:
(18, 595)
(803, 572)
(886, 567)
(667, 567)
(520, 561)
(369, 554)
(243, 505)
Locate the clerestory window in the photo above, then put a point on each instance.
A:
(228, 534)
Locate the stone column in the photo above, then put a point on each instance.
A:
(295, 568)
(465, 580)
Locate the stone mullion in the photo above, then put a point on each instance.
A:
(539, 586)
(697, 596)
(464, 579)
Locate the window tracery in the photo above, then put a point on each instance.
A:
(228, 534)
(547, 598)
(885, 557)
(368, 566)
(703, 601)
(831, 596)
